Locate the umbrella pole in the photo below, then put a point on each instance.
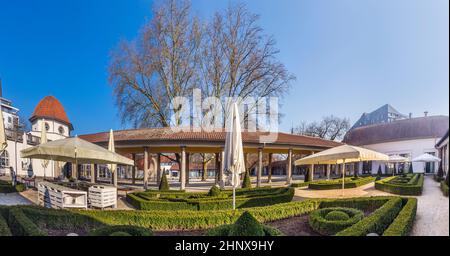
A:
(343, 178)
(234, 198)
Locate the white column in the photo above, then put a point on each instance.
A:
(146, 170)
(289, 168)
(221, 171)
(183, 169)
(259, 169)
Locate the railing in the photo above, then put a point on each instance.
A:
(33, 140)
(14, 135)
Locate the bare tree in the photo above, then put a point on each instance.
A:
(175, 52)
(149, 72)
(330, 127)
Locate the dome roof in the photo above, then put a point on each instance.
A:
(50, 108)
(400, 130)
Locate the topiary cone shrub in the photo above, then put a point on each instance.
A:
(307, 176)
(164, 184)
(440, 172)
(379, 173)
(214, 191)
(247, 225)
(246, 183)
(410, 170)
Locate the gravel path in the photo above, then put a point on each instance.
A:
(432, 211)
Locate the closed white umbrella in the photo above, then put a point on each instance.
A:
(342, 155)
(234, 153)
(75, 150)
(3, 140)
(112, 148)
(44, 140)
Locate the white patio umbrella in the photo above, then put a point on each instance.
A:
(112, 148)
(44, 140)
(234, 153)
(342, 155)
(75, 150)
(426, 158)
(395, 159)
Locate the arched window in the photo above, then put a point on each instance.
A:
(4, 159)
(61, 130)
(47, 126)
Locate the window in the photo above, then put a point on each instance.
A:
(61, 130)
(9, 119)
(4, 159)
(47, 126)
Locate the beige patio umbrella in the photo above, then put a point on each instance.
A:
(3, 140)
(43, 140)
(342, 155)
(395, 159)
(234, 153)
(112, 148)
(75, 150)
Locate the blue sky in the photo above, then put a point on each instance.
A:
(349, 56)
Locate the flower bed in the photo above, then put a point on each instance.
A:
(408, 185)
(349, 182)
(329, 221)
(245, 198)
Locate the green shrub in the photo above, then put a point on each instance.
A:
(400, 185)
(6, 187)
(21, 225)
(246, 225)
(329, 221)
(377, 222)
(129, 230)
(214, 191)
(247, 183)
(446, 179)
(402, 225)
(245, 198)
(337, 183)
(444, 188)
(337, 215)
(182, 219)
(306, 180)
(300, 185)
(164, 184)
(4, 229)
(119, 234)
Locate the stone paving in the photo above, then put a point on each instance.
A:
(13, 199)
(432, 211)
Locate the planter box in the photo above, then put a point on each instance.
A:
(102, 196)
(58, 197)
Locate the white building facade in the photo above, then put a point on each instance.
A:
(409, 138)
(49, 113)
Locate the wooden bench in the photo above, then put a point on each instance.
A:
(58, 197)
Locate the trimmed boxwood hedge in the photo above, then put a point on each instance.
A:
(399, 185)
(4, 229)
(6, 187)
(444, 188)
(402, 225)
(337, 183)
(130, 230)
(245, 198)
(319, 221)
(246, 225)
(300, 185)
(21, 225)
(377, 222)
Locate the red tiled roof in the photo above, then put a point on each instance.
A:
(50, 108)
(407, 129)
(155, 135)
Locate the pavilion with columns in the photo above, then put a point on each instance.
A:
(152, 143)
